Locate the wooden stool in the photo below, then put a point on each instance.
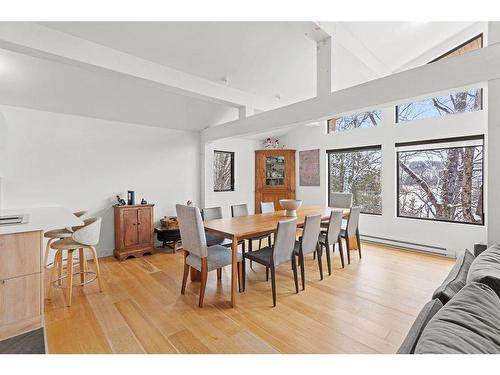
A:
(83, 238)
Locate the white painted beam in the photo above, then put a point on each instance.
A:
(44, 42)
(474, 67)
(324, 66)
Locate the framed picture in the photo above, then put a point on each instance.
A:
(309, 168)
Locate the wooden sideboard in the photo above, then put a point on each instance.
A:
(274, 176)
(134, 230)
(21, 283)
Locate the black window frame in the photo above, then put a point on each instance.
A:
(231, 153)
(435, 141)
(353, 149)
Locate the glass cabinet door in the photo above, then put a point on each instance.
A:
(275, 170)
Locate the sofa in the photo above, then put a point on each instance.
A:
(463, 315)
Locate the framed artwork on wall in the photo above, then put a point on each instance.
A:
(309, 168)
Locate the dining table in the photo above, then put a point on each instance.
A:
(251, 226)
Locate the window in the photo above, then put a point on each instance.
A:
(441, 180)
(223, 171)
(468, 46)
(357, 171)
(358, 120)
(464, 101)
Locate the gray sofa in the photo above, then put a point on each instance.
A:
(464, 314)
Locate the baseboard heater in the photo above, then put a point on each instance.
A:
(406, 245)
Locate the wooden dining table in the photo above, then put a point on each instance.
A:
(251, 226)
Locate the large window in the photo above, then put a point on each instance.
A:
(223, 171)
(464, 101)
(441, 180)
(357, 171)
(358, 120)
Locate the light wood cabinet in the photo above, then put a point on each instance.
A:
(21, 289)
(274, 176)
(134, 235)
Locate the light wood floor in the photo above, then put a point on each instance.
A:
(365, 308)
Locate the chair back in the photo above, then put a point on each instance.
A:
(212, 213)
(79, 213)
(192, 231)
(340, 200)
(334, 226)
(239, 210)
(89, 233)
(310, 234)
(284, 241)
(353, 221)
(266, 207)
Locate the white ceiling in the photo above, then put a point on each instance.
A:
(262, 58)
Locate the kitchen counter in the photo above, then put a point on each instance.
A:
(40, 219)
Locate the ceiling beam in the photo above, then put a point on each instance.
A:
(474, 67)
(43, 42)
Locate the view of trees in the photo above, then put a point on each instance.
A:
(444, 184)
(464, 101)
(358, 172)
(223, 171)
(357, 120)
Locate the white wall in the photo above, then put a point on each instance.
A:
(82, 163)
(244, 169)
(453, 237)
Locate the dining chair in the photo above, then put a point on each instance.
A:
(84, 237)
(308, 243)
(282, 251)
(332, 237)
(238, 210)
(267, 207)
(351, 233)
(197, 253)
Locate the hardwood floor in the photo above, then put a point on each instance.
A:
(365, 308)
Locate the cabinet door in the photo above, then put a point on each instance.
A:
(19, 254)
(19, 298)
(130, 233)
(144, 225)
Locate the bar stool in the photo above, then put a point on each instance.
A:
(85, 237)
(58, 234)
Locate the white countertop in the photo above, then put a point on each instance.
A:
(41, 218)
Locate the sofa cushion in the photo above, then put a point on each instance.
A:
(411, 339)
(468, 323)
(486, 267)
(456, 279)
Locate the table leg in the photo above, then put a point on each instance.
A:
(234, 269)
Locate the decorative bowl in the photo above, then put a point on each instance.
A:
(290, 206)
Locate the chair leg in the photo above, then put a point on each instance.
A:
(295, 276)
(341, 251)
(97, 269)
(53, 272)
(347, 250)
(269, 241)
(240, 276)
(47, 251)
(69, 279)
(319, 250)
(267, 273)
(204, 274)
(273, 284)
(60, 269)
(260, 243)
(314, 255)
(359, 243)
(244, 272)
(219, 273)
(302, 270)
(328, 260)
(83, 265)
(184, 278)
(250, 245)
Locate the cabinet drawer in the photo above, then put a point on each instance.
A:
(19, 298)
(20, 254)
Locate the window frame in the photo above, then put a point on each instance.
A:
(436, 141)
(231, 153)
(334, 119)
(354, 149)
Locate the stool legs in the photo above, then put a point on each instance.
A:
(53, 272)
(47, 250)
(97, 270)
(69, 285)
(83, 265)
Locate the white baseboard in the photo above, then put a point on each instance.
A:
(407, 245)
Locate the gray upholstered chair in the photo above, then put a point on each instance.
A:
(57, 234)
(351, 233)
(281, 252)
(196, 252)
(267, 207)
(332, 237)
(238, 210)
(214, 213)
(308, 243)
(84, 237)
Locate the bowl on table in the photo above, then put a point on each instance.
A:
(290, 206)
